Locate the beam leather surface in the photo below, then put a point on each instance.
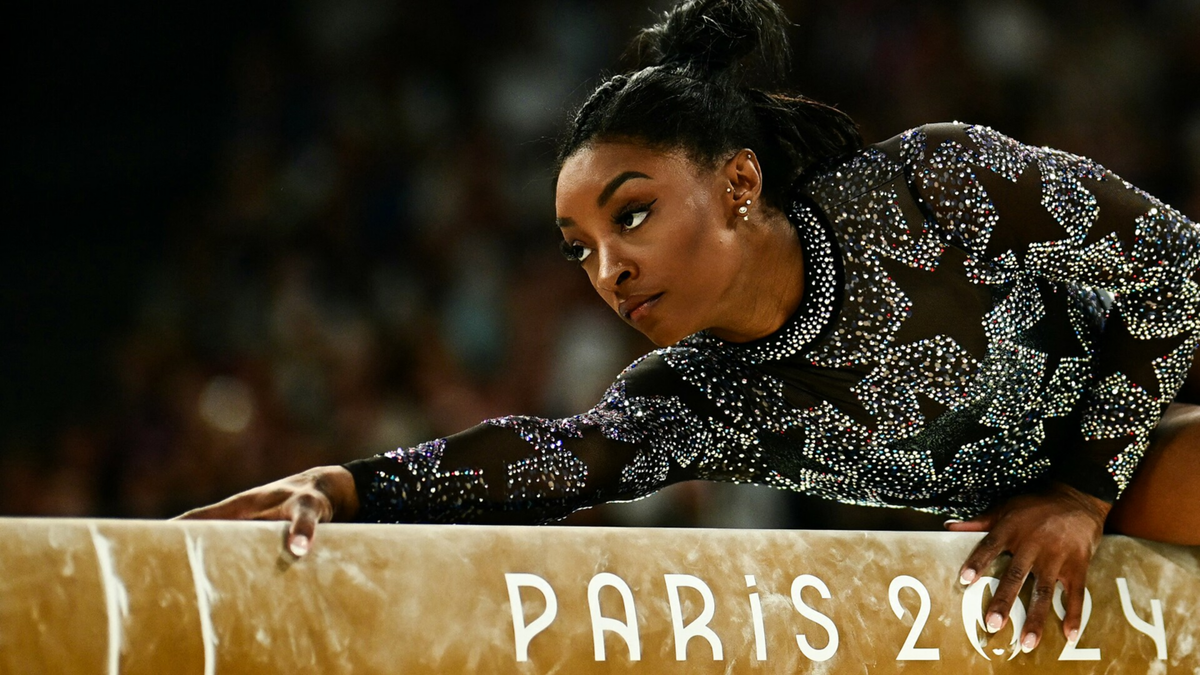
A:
(105, 597)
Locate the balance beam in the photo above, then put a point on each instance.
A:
(133, 597)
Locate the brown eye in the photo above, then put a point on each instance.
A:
(574, 252)
(632, 216)
(634, 219)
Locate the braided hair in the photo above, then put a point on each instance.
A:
(691, 91)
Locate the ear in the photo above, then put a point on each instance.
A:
(742, 174)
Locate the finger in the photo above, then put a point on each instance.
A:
(1006, 593)
(1039, 607)
(305, 516)
(1073, 590)
(237, 507)
(201, 513)
(981, 523)
(981, 558)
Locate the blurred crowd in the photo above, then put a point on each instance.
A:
(373, 264)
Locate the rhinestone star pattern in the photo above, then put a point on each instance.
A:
(413, 482)
(951, 349)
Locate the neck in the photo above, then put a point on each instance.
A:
(772, 285)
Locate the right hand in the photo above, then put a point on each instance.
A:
(1052, 535)
(319, 495)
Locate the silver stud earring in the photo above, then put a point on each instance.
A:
(729, 189)
(744, 209)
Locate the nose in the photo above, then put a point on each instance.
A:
(615, 270)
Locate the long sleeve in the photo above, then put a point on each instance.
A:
(647, 432)
(1018, 210)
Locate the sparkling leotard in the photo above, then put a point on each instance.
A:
(979, 316)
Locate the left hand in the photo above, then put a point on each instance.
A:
(1051, 534)
(319, 495)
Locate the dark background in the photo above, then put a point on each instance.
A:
(246, 240)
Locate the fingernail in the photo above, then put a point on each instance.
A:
(1028, 643)
(1073, 636)
(967, 577)
(994, 621)
(952, 521)
(299, 545)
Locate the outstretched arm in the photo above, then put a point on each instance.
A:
(519, 469)
(649, 430)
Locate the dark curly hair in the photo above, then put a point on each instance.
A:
(689, 91)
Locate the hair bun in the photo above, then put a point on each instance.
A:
(707, 38)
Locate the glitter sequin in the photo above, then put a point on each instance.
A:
(923, 368)
(413, 482)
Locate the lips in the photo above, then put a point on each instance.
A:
(631, 304)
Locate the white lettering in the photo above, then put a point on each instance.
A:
(1072, 652)
(756, 616)
(627, 629)
(825, 653)
(522, 632)
(910, 652)
(698, 627)
(972, 617)
(1157, 630)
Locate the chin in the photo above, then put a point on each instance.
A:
(660, 342)
(664, 329)
(663, 336)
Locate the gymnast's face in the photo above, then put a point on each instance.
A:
(654, 233)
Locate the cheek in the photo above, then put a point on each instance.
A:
(705, 254)
(692, 232)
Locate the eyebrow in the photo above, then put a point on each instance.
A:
(606, 193)
(615, 183)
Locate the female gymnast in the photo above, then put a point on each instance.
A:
(949, 320)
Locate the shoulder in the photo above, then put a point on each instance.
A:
(687, 366)
(645, 368)
(919, 143)
(880, 163)
(936, 133)
(653, 373)
(947, 146)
